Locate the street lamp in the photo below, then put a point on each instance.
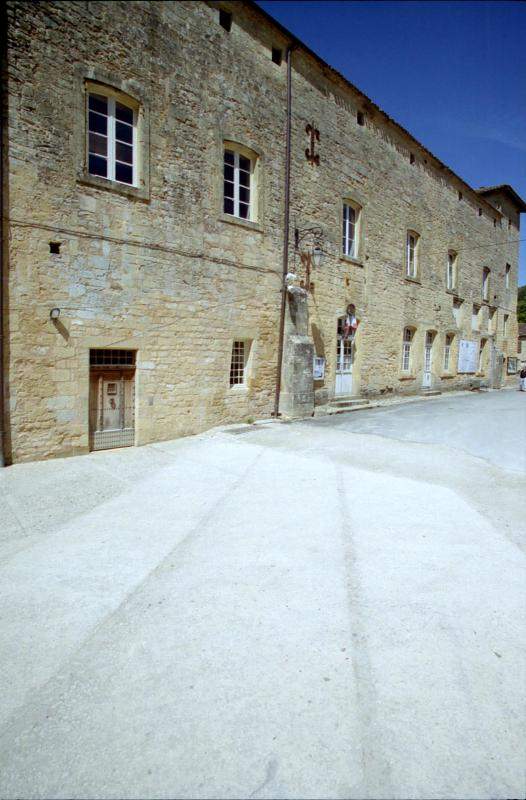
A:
(308, 243)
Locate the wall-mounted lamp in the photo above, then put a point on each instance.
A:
(309, 244)
(54, 313)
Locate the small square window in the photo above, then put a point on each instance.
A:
(54, 247)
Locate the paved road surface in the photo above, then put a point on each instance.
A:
(333, 608)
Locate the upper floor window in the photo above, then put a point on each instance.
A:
(411, 264)
(507, 276)
(238, 184)
(505, 325)
(112, 138)
(451, 270)
(406, 349)
(485, 283)
(351, 222)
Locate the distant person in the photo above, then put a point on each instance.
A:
(522, 383)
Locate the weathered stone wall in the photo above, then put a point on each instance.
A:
(163, 271)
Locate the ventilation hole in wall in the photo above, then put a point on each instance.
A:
(411, 158)
(460, 195)
(277, 55)
(480, 212)
(225, 19)
(54, 247)
(360, 118)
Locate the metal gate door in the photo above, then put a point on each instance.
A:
(112, 401)
(344, 359)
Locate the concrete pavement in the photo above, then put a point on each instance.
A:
(333, 608)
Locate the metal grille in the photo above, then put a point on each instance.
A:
(237, 365)
(112, 358)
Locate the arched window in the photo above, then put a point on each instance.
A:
(112, 135)
(239, 182)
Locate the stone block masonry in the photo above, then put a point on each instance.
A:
(159, 268)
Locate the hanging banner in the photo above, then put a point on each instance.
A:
(468, 353)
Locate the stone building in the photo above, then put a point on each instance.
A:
(195, 206)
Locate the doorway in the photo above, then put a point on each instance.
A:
(344, 360)
(112, 399)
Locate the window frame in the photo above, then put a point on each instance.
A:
(240, 152)
(448, 345)
(412, 274)
(237, 385)
(113, 97)
(131, 93)
(351, 205)
(408, 336)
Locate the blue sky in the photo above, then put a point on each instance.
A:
(452, 73)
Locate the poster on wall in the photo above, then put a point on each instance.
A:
(467, 356)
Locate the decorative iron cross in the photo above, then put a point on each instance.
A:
(314, 134)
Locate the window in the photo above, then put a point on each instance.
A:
(485, 283)
(360, 118)
(505, 325)
(225, 19)
(492, 320)
(460, 195)
(475, 318)
(507, 276)
(237, 186)
(351, 217)
(481, 355)
(277, 55)
(412, 254)
(112, 139)
(451, 269)
(457, 307)
(238, 363)
(411, 158)
(447, 351)
(406, 349)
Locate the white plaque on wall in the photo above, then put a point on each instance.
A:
(468, 356)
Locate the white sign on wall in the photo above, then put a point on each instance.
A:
(468, 353)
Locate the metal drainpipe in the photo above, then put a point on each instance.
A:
(286, 226)
(3, 174)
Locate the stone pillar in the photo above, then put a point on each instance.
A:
(297, 384)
